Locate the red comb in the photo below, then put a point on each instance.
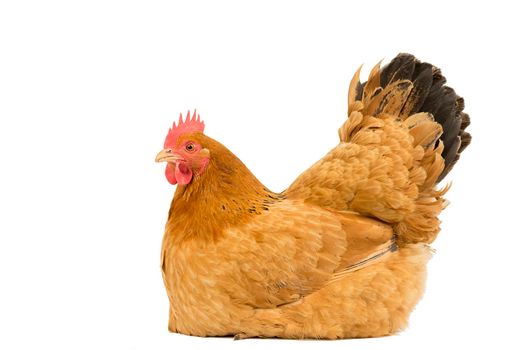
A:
(192, 124)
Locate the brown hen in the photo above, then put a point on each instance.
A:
(342, 252)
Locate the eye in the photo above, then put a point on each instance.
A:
(190, 147)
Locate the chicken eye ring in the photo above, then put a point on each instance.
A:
(190, 147)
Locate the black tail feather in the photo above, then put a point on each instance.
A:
(429, 94)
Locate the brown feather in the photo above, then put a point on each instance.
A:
(373, 83)
(353, 90)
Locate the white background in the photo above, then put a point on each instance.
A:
(88, 90)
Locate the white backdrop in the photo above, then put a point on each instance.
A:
(88, 90)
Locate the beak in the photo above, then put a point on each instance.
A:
(167, 155)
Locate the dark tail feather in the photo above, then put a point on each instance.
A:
(429, 94)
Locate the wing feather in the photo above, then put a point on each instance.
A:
(299, 249)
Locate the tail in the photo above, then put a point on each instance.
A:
(414, 93)
(428, 94)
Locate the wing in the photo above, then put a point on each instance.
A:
(293, 249)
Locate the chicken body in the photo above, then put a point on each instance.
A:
(282, 275)
(342, 252)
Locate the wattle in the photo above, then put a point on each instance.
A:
(183, 173)
(170, 173)
(179, 173)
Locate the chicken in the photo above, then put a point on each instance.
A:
(342, 252)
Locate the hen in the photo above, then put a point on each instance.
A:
(342, 252)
